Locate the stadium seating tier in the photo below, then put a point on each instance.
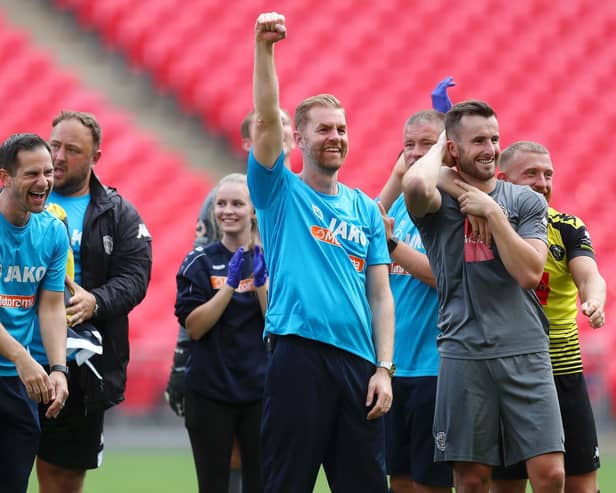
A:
(549, 71)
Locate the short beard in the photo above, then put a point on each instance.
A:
(71, 186)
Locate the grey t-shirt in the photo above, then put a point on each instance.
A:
(483, 311)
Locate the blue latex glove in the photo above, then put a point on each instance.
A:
(258, 267)
(235, 267)
(440, 98)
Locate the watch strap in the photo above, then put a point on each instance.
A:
(392, 243)
(60, 368)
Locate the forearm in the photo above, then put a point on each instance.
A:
(10, 348)
(594, 289)
(414, 262)
(53, 333)
(383, 327)
(262, 297)
(523, 259)
(382, 307)
(446, 182)
(393, 187)
(265, 83)
(52, 321)
(268, 127)
(591, 285)
(201, 320)
(420, 182)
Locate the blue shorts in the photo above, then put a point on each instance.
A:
(314, 412)
(410, 443)
(19, 435)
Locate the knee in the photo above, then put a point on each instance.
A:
(472, 480)
(400, 484)
(553, 478)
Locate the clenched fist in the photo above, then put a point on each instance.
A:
(270, 27)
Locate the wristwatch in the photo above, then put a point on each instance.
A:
(60, 368)
(392, 243)
(390, 366)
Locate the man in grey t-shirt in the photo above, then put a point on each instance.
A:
(496, 400)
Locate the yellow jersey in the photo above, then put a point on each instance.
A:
(60, 213)
(557, 292)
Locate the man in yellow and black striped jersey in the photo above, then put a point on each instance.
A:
(570, 269)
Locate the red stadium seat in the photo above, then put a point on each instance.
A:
(550, 80)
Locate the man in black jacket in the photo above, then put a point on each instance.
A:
(113, 259)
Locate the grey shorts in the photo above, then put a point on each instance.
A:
(496, 411)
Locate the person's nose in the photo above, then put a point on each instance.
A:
(541, 182)
(58, 154)
(491, 148)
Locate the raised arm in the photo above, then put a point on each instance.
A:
(592, 289)
(269, 29)
(392, 189)
(420, 181)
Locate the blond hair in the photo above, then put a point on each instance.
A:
(508, 153)
(301, 112)
(239, 178)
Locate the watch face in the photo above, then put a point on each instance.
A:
(390, 366)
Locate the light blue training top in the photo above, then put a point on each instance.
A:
(415, 350)
(317, 248)
(75, 208)
(32, 257)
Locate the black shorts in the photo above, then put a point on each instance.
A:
(73, 440)
(581, 444)
(409, 439)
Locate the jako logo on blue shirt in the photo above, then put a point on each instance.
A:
(22, 273)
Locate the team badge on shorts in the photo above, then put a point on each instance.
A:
(441, 440)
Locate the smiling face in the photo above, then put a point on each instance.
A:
(28, 187)
(475, 147)
(73, 154)
(419, 137)
(323, 139)
(532, 169)
(233, 210)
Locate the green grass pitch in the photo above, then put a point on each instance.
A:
(172, 471)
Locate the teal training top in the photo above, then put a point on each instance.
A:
(317, 248)
(32, 257)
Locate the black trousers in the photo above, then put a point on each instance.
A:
(212, 427)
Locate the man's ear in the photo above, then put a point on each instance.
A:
(246, 144)
(299, 140)
(97, 156)
(501, 176)
(452, 149)
(4, 175)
